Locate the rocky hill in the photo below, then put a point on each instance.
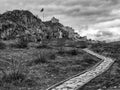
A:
(17, 23)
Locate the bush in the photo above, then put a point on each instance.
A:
(16, 75)
(61, 51)
(21, 42)
(73, 52)
(88, 59)
(2, 45)
(44, 44)
(52, 56)
(30, 82)
(18, 45)
(53, 69)
(41, 58)
(68, 52)
(44, 56)
(17, 79)
(13, 77)
(43, 47)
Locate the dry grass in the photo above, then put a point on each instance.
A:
(42, 57)
(111, 78)
(47, 67)
(2, 45)
(22, 42)
(16, 75)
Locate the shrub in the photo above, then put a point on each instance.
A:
(61, 51)
(16, 75)
(2, 45)
(68, 52)
(88, 59)
(43, 47)
(52, 56)
(30, 82)
(53, 69)
(41, 58)
(44, 56)
(44, 44)
(13, 77)
(73, 52)
(22, 42)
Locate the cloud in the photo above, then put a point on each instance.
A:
(107, 24)
(104, 34)
(74, 8)
(108, 30)
(100, 16)
(107, 35)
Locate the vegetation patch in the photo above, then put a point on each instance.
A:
(71, 52)
(21, 42)
(42, 57)
(42, 68)
(2, 45)
(111, 78)
(15, 75)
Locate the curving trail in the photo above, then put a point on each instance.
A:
(81, 79)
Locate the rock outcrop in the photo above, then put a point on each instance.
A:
(16, 23)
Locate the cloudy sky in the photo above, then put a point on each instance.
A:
(98, 19)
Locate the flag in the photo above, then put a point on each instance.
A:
(42, 10)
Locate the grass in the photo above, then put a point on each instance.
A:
(111, 78)
(22, 42)
(15, 75)
(105, 81)
(42, 68)
(2, 45)
(42, 57)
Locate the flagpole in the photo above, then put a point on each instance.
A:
(42, 11)
(43, 15)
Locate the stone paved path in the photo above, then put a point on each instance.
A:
(82, 79)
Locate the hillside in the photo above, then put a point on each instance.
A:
(35, 55)
(17, 23)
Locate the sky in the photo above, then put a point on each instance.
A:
(96, 19)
